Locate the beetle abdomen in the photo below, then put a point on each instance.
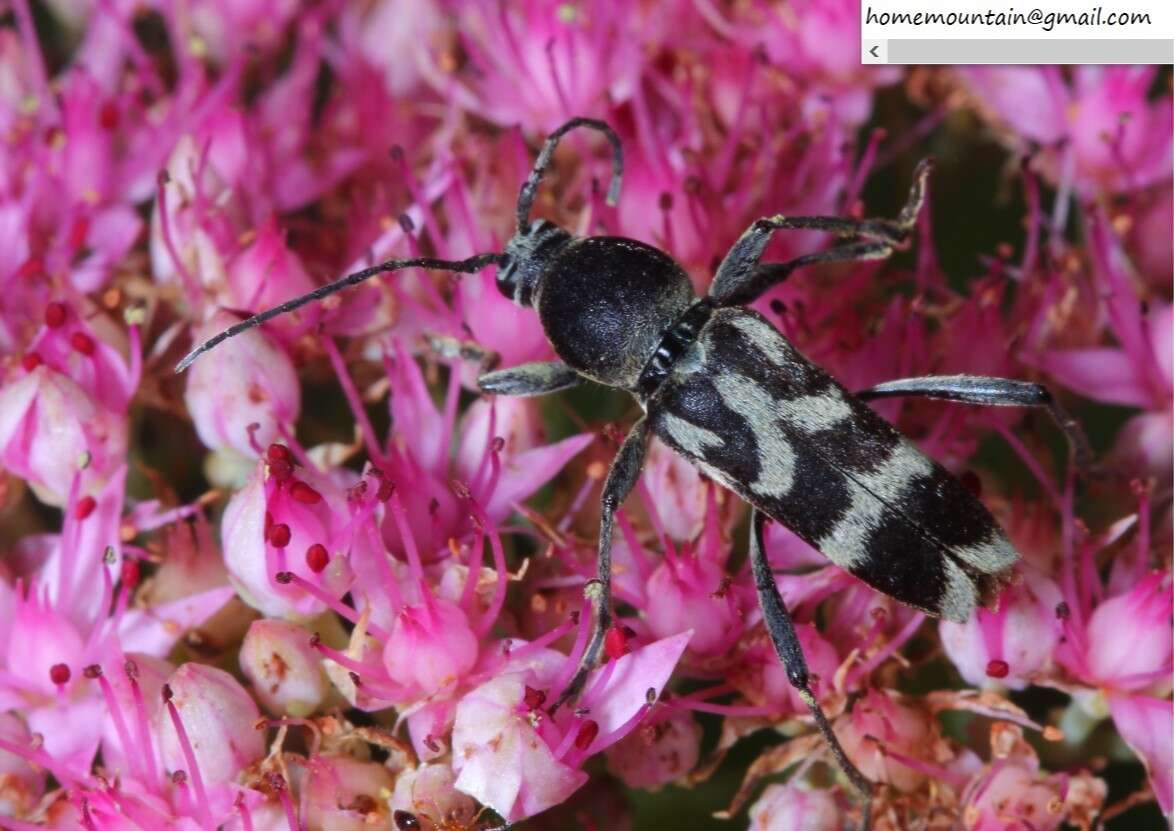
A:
(605, 303)
(757, 416)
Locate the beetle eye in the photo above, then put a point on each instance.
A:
(507, 276)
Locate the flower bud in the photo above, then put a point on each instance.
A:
(219, 719)
(344, 794)
(658, 752)
(21, 785)
(430, 646)
(1011, 795)
(267, 529)
(1007, 646)
(429, 793)
(678, 492)
(247, 380)
(285, 671)
(789, 807)
(47, 423)
(685, 592)
(1139, 619)
(879, 723)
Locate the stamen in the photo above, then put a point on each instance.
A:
(142, 722)
(343, 610)
(485, 623)
(409, 541)
(94, 671)
(189, 756)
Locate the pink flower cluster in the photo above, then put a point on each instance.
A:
(317, 582)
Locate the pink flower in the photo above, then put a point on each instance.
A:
(1147, 726)
(218, 721)
(430, 647)
(251, 381)
(340, 793)
(787, 807)
(513, 757)
(288, 521)
(763, 680)
(63, 415)
(285, 671)
(1102, 124)
(1142, 619)
(679, 493)
(21, 785)
(565, 58)
(879, 725)
(691, 591)
(224, 31)
(1013, 796)
(662, 750)
(429, 793)
(1010, 644)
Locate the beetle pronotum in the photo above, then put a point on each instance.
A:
(721, 386)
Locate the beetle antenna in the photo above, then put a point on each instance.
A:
(469, 266)
(530, 187)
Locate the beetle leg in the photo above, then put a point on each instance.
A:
(530, 379)
(741, 278)
(786, 644)
(621, 478)
(995, 392)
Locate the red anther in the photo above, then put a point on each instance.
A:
(533, 698)
(131, 669)
(997, 669)
(497, 445)
(972, 483)
(179, 777)
(280, 469)
(166, 693)
(317, 558)
(59, 674)
(386, 490)
(284, 577)
(31, 361)
(279, 535)
(615, 643)
(130, 573)
(315, 639)
(278, 452)
(92, 671)
(55, 314)
(79, 232)
(108, 116)
(84, 507)
(83, 343)
(303, 493)
(30, 268)
(1063, 612)
(586, 735)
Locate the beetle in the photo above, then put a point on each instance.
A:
(722, 387)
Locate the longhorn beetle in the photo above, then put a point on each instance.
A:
(722, 387)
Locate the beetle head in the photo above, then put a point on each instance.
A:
(527, 256)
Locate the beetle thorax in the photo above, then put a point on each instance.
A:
(607, 302)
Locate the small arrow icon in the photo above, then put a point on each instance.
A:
(872, 51)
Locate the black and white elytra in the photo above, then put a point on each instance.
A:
(726, 390)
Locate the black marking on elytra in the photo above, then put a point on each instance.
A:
(903, 563)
